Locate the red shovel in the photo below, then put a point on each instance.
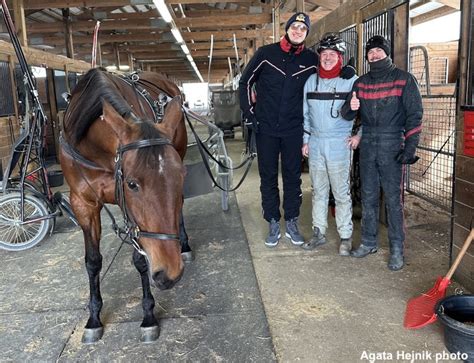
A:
(421, 309)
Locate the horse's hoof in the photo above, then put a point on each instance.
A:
(92, 335)
(150, 334)
(187, 256)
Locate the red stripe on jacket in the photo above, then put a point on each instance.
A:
(400, 82)
(412, 132)
(380, 94)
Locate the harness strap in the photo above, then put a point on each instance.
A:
(72, 151)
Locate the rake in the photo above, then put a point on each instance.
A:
(420, 310)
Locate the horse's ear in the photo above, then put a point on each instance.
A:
(118, 124)
(172, 118)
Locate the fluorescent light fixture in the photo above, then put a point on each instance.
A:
(185, 49)
(163, 10)
(177, 35)
(190, 59)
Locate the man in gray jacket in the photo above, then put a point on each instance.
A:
(329, 143)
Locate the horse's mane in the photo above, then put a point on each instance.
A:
(86, 103)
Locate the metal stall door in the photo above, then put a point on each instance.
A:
(431, 178)
(349, 35)
(381, 24)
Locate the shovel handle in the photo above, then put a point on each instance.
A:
(461, 254)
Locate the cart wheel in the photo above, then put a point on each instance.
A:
(15, 236)
(224, 181)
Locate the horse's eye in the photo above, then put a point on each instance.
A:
(132, 185)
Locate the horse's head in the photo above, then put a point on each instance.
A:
(151, 192)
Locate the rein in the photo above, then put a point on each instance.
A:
(131, 231)
(135, 78)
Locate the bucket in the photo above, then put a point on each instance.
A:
(55, 178)
(456, 314)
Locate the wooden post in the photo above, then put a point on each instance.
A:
(68, 33)
(53, 109)
(276, 22)
(130, 62)
(20, 23)
(401, 26)
(117, 55)
(99, 54)
(299, 6)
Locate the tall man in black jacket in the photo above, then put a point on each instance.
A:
(279, 71)
(390, 107)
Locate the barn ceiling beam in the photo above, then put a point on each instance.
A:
(221, 21)
(225, 34)
(455, 4)
(102, 39)
(38, 58)
(445, 10)
(170, 2)
(327, 4)
(59, 4)
(143, 24)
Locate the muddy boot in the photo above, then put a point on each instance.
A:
(273, 234)
(345, 246)
(318, 239)
(396, 261)
(363, 251)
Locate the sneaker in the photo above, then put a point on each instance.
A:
(292, 232)
(318, 239)
(273, 234)
(345, 246)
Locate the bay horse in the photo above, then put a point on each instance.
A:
(112, 152)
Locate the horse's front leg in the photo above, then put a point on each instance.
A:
(150, 328)
(186, 253)
(88, 217)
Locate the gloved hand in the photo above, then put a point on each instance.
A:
(348, 71)
(251, 123)
(407, 155)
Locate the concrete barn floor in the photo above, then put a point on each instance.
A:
(239, 301)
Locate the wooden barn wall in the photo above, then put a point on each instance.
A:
(464, 179)
(9, 125)
(447, 50)
(9, 130)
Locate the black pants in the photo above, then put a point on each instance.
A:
(378, 168)
(269, 149)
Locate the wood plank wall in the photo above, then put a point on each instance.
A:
(464, 179)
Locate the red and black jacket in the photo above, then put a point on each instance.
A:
(390, 105)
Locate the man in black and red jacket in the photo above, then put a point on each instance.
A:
(390, 107)
(278, 73)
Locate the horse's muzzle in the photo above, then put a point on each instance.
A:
(163, 282)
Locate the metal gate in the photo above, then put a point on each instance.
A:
(349, 35)
(431, 178)
(378, 25)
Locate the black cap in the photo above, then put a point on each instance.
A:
(301, 17)
(378, 41)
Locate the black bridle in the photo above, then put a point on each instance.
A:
(131, 232)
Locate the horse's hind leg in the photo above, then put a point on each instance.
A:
(186, 253)
(150, 328)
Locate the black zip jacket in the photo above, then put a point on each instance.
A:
(279, 77)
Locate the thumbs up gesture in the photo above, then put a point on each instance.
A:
(355, 103)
